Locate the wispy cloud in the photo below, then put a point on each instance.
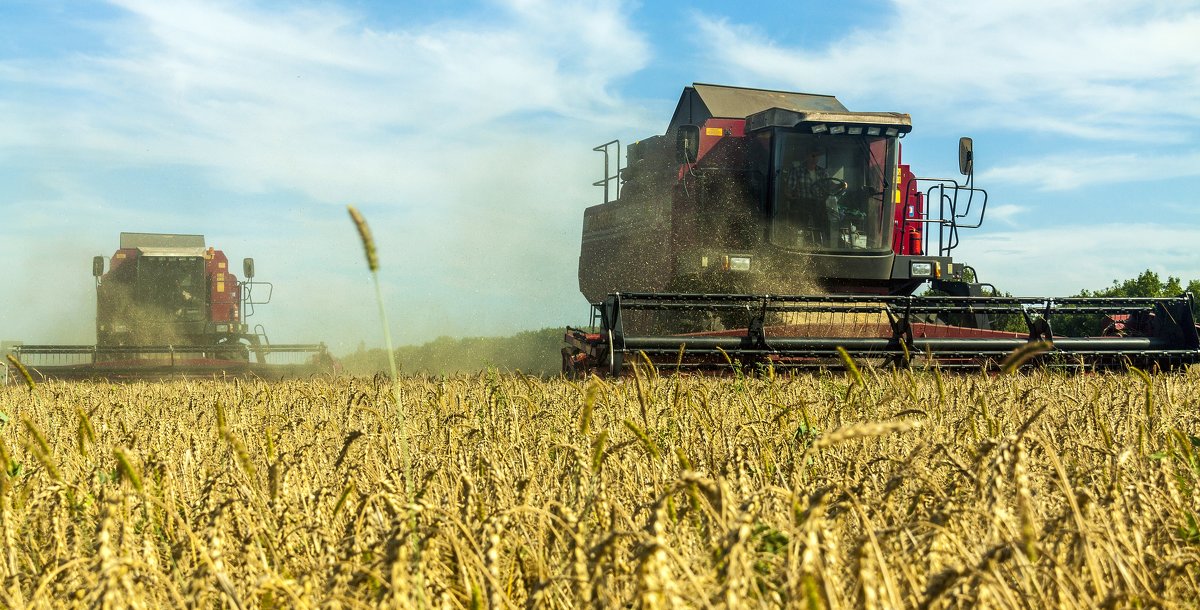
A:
(315, 99)
(1062, 260)
(1005, 213)
(466, 141)
(1105, 69)
(1066, 172)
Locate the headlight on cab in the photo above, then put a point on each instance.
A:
(920, 269)
(737, 263)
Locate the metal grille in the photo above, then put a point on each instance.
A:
(168, 361)
(704, 331)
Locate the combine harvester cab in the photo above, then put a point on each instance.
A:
(752, 194)
(168, 307)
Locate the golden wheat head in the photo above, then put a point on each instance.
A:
(364, 233)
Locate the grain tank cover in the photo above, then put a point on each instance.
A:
(164, 244)
(780, 117)
(172, 241)
(701, 102)
(172, 252)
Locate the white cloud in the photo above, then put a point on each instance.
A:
(1062, 260)
(1005, 213)
(467, 142)
(314, 99)
(1066, 172)
(1100, 69)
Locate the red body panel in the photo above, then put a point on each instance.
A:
(910, 212)
(722, 144)
(728, 127)
(122, 257)
(711, 134)
(224, 292)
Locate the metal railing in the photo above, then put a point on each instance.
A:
(807, 331)
(960, 206)
(170, 361)
(609, 175)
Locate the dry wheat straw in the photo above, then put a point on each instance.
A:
(23, 371)
(1020, 491)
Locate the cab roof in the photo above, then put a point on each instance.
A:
(701, 102)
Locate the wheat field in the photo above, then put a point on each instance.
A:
(872, 490)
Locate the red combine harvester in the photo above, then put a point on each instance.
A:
(769, 227)
(168, 307)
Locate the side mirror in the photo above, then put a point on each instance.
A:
(97, 266)
(248, 268)
(966, 156)
(687, 143)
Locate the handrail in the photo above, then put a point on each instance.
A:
(953, 214)
(609, 177)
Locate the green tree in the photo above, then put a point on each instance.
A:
(1146, 284)
(531, 352)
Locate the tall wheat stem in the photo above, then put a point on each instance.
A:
(387, 338)
(364, 233)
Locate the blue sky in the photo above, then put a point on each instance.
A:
(463, 131)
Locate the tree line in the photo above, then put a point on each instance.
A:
(537, 352)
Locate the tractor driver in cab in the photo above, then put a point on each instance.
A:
(812, 201)
(815, 181)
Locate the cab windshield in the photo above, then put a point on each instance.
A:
(832, 192)
(172, 287)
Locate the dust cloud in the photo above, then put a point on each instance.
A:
(49, 294)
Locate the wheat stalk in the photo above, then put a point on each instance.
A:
(1041, 490)
(23, 371)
